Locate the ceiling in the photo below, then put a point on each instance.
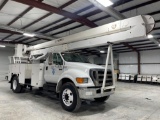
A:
(59, 18)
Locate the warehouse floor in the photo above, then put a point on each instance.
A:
(130, 102)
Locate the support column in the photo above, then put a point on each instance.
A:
(139, 62)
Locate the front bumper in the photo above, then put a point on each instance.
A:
(90, 93)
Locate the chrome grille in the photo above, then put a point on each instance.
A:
(97, 76)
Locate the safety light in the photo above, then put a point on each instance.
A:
(105, 3)
(102, 51)
(82, 80)
(29, 34)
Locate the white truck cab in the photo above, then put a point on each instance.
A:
(87, 77)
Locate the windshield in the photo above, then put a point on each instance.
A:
(72, 57)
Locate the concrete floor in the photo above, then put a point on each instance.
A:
(130, 102)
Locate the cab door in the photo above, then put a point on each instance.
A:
(54, 68)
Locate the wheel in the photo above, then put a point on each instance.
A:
(16, 87)
(69, 97)
(102, 99)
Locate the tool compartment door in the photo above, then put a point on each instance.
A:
(37, 79)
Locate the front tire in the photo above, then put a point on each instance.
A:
(102, 99)
(16, 87)
(69, 97)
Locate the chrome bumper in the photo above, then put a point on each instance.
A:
(90, 93)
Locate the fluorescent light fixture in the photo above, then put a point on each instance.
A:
(105, 3)
(102, 51)
(3, 46)
(7, 40)
(29, 34)
(150, 36)
(159, 45)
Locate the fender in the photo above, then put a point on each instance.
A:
(72, 74)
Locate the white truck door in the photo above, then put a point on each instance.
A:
(54, 68)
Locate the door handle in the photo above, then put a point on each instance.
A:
(46, 67)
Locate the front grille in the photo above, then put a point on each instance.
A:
(97, 76)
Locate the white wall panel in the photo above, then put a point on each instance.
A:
(130, 57)
(150, 69)
(150, 62)
(150, 56)
(128, 69)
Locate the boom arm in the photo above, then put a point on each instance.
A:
(124, 30)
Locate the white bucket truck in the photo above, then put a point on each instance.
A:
(51, 67)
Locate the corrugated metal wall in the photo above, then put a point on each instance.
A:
(150, 62)
(4, 61)
(128, 62)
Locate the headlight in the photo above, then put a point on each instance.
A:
(82, 80)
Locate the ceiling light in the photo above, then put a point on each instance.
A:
(150, 36)
(29, 34)
(105, 3)
(7, 40)
(102, 51)
(3, 46)
(159, 45)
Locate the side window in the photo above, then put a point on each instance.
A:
(57, 59)
(50, 59)
(54, 58)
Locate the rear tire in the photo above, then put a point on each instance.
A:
(16, 87)
(69, 97)
(102, 99)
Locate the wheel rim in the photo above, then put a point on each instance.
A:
(67, 97)
(14, 84)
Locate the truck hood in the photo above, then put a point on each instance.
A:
(83, 65)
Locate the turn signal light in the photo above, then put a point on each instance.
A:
(82, 80)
